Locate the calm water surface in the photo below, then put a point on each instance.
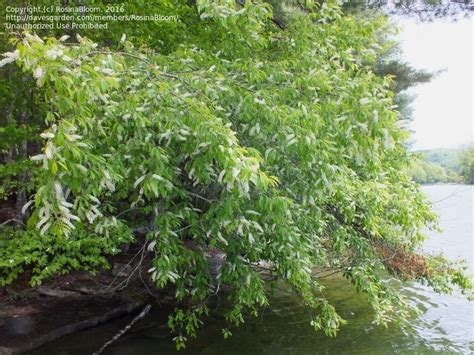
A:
(445, 325)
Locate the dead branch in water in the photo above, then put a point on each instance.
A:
(125, 329)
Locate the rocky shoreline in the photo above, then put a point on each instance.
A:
(30, 317)
(33, 317)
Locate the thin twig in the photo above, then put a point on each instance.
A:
(14, 220)
(452, 194)
(154, 66)
(128, 210)
(129, 263)
(124, 330)
(201, 197)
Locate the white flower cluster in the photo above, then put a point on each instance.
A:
(9, 57)
(38, 73)
(54, 53)
(33, 38)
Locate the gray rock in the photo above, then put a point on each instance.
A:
(19, 325)
(53, 292)
(121, 270)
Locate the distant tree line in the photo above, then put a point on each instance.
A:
(467, 165)
(443, 166)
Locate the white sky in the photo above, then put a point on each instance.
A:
(443, 108)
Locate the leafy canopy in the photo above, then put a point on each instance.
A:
(268, 145)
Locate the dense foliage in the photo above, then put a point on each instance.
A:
(22, 104)
(389, 61)
(269, 145)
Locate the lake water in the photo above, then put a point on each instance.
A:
(445, 324)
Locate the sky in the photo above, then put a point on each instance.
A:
(443, 108)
